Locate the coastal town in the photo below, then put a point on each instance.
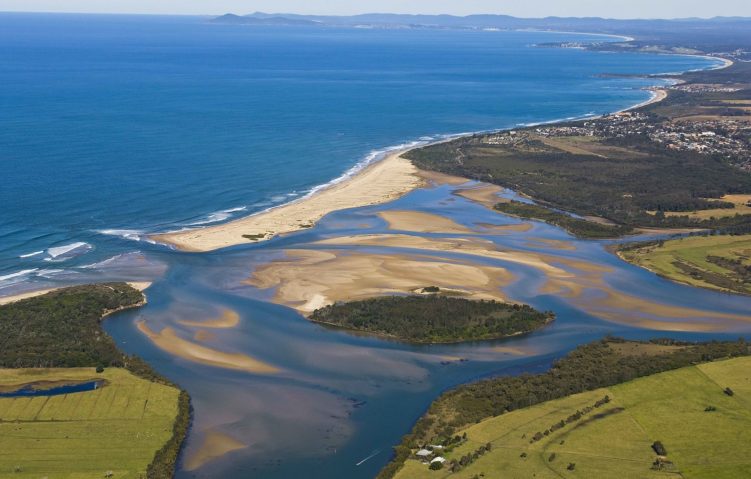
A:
(725, 137)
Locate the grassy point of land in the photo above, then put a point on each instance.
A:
(704, 430)
(511, 421)
(117, 428)
(132, 427)
(716, 262)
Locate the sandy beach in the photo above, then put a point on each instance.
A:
(378, 183)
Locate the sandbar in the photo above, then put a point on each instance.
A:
(485, 194)
(419, 222)
(168, 340)
(215, 445)
(468, 246)
(310, 279)
(228, 319)
(380, 182)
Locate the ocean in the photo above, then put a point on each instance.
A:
(113, 127)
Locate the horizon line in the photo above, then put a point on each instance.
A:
(280, 14)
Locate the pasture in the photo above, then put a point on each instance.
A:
(113, 431)
(705, 431)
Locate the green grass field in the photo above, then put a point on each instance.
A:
(118, 427)
(614, 440)
(686, 260)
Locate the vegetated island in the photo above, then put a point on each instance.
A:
(433, 318)
(563, 420)
(715, 262)
(132, 421)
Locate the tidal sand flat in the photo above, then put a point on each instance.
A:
(310, 279)
(227, 320)
(168, 340)
(215, 444)
(377, 183)
(421, 222)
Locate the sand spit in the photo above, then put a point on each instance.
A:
(469, 246)
(140, 286)
(488, 228)
(437, 178)
(310, 279)
(228, 320)
(420, 222)
(588, 293)
(378, 183)
(215, 445)
(484, 194)
(168, 340)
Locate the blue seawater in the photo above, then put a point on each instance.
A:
(112, 127)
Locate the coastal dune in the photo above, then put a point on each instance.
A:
(378, 183)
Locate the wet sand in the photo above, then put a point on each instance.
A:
(215, 445)
(469, 246)
(420, 222)
(378, 183)
(485, 194)
(310, 279)
(168, 340)
(228, 319)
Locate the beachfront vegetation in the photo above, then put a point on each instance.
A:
(62, 329)
(118, 427)
(580, 227)
(589, 367)
(433, 318)
(652, 427)
(717, 262)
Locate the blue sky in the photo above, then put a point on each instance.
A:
(527, 8)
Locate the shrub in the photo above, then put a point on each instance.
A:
(659, 449)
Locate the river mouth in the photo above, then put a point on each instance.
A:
(50, 388)
(230, 327)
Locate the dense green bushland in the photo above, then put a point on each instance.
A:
(619, 187)
(62, 329)
(433, 318)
